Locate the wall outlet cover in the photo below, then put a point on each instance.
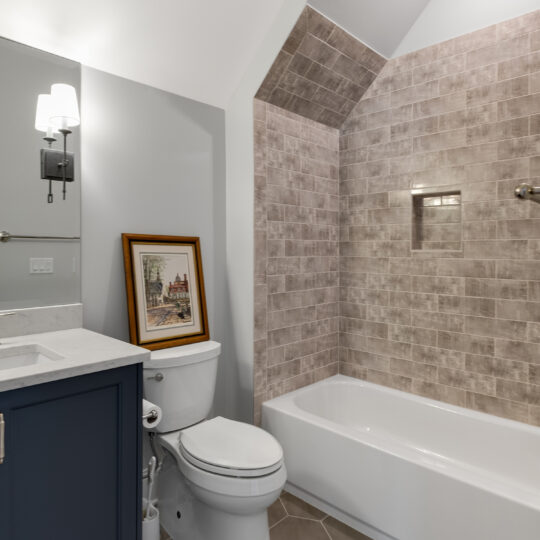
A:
(41, 265)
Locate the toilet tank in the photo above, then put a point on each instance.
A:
(182, 381)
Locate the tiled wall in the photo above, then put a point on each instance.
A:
(321, 72)
(296, 251)
(459, 325)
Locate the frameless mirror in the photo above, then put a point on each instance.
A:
(46, 270)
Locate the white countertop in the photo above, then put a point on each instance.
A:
(82, 352)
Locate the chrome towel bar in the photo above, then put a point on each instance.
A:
(6, 237)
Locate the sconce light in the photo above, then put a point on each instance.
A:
(57, 112)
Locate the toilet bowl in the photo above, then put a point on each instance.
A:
(231, 490)
(218, 476)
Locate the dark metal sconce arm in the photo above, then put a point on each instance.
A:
(65, 162)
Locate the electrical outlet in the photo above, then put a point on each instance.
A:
(41, 266)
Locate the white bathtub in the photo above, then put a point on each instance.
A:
(398, 466)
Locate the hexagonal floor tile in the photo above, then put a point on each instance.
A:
(298, 508)
(340, 531)
(298, 529)
(276, 513)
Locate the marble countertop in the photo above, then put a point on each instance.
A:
(80, 352)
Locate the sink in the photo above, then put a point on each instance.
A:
(30, 354)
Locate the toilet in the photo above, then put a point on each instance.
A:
(218, 476)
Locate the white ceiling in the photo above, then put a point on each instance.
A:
(195, 48)
(380, 24)
(396, 27)
(201, 49)
(442, 20)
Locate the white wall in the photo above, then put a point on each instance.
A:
(152, 162)
(445, 19)
(240, 188)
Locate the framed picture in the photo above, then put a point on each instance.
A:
(165, 290)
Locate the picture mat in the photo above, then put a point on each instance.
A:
(169, 331)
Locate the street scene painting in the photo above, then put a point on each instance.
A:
(165, 290)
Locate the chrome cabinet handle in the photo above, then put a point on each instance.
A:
(2, 445)
(157, 377)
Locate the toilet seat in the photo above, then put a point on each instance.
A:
(228, 471)
(222, 484)
(230, 448)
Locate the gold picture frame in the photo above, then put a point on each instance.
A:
(165, 290)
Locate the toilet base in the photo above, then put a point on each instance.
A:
(175, 503)
(216, 525)
(185, 517)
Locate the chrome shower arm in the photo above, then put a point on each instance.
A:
(526, 191)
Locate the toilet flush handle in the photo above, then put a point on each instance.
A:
(157, 377)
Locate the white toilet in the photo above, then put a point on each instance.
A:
(218, 476)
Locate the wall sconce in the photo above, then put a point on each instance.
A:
(56, 113)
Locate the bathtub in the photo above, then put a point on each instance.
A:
(397, 466)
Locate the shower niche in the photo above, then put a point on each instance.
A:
(436, 220)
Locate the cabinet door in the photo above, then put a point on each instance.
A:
(72, 467)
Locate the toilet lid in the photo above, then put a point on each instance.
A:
(231, 448)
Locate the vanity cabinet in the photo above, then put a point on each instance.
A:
(72, 458)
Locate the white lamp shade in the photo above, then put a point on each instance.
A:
(43, 113)
(64, 107)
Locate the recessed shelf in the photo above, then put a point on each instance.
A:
(436, 222)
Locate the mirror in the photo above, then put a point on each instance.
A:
(46, 271)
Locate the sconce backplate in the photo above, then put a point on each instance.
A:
(51, 165)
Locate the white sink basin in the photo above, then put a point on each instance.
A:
(17, 356)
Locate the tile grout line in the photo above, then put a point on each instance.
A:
(278, 522)
(325, 529)
(286, 513)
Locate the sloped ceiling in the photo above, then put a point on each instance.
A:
(380, 24)
(396, 27)
(195, 48)
(321, 71)
(443, 20)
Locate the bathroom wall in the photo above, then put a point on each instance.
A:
(152, 162)
(296, 252)
(457, 322)
(315, 81)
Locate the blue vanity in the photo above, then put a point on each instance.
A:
(72, 438)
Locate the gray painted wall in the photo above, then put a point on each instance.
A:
(154, 163)
(26, 72)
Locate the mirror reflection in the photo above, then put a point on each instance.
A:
(40, 179)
